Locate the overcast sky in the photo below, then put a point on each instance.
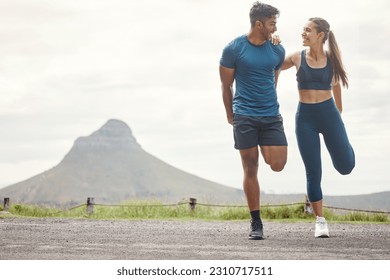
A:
(66, 67)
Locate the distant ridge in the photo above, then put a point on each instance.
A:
(375, 201)
(111, 166)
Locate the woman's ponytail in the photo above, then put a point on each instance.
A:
(335, 56)
(334, 52)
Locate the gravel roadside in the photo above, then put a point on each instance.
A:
(84, 239)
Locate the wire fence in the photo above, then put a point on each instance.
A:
(192, 202)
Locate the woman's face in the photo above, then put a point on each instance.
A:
(310, 35)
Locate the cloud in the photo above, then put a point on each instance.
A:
(67, 67)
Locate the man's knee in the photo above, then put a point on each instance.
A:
(277, 166)
(251, 166)
(275, 157)
(250, 161)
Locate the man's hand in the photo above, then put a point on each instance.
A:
(230, 120)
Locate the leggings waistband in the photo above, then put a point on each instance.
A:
(315, 107)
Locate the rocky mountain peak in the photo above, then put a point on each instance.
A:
(115, 128)
(111, 166)
(114, 134)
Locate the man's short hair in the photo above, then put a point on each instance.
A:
(261, 12)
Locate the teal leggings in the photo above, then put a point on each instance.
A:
(311, 121)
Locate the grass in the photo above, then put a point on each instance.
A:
(156, 210)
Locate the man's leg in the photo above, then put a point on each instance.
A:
(275, 156)
(250, 164)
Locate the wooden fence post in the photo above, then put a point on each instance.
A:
(90, 204)
(6, 204)
(307, 207)
(192, 203)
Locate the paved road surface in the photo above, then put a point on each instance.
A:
(81, 239)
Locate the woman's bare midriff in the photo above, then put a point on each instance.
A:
(314, 96)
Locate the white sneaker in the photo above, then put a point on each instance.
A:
(321, 229)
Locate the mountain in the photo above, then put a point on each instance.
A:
(375, 201)
(112, 167)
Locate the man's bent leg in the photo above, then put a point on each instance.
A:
(275, 156)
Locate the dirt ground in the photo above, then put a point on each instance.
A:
(84, 239)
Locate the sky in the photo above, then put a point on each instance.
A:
(67, 67)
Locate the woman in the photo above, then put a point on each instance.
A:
(319, 73)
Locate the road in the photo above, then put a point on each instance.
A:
(86, 239)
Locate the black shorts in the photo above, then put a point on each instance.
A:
(263, 131)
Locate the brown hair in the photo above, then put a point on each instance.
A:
(334, 52)
(262, 12)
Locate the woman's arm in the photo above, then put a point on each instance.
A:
(337, 96)
(291, 60)
(277, 73)
(288, 63)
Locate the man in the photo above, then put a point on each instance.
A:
(253, 63)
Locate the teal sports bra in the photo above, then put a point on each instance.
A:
(314, 78)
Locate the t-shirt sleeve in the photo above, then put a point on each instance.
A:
(228, 58)
(282, 55)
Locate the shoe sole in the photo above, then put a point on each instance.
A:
(322, 236)
(256, 237)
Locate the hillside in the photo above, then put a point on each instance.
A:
(375, 201)
(112, 167)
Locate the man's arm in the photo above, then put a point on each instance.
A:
(227, 79)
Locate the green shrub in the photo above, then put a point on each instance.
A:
(157, 210)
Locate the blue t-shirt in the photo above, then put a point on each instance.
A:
(255, 66)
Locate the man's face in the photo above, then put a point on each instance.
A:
(269, 27)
